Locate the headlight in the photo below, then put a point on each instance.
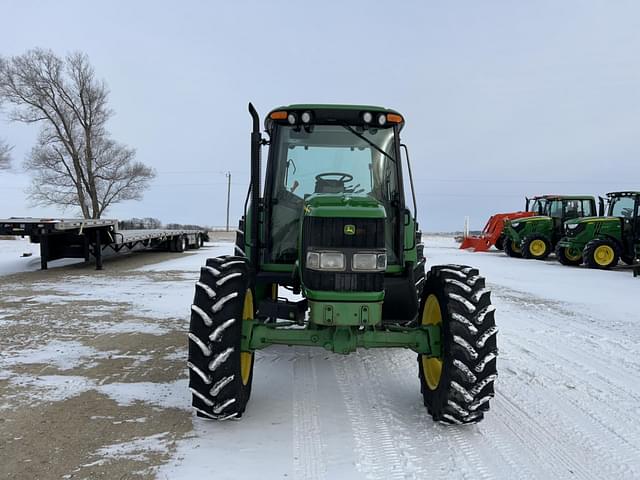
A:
(382, 119)
(369, 261)
(292, 119)
(326, 261)
(571, 226)
(515, 224)
(313, 260)
(367, 117)
(306, 117)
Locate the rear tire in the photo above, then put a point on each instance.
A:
(536, 247)
(220, 375)
(512, 249)
(461, 391)
(601, 253)
(567, 257)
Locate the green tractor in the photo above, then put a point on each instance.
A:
(536, 237)
(331, 226)
(600, 242)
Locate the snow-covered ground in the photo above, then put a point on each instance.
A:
(567, 402)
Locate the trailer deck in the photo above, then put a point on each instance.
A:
(87, 238)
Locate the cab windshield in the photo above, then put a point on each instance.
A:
(538, 206)
(328, 159)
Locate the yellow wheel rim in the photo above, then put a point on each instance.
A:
(571, 254)
(604, 255)
(537, 248)
(246, 358)
(515, 247)
(432, 367)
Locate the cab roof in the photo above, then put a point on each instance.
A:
(564, 197)
(622, 194)
(329, 113)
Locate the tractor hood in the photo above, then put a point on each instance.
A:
(341, 205)
(575, 221)
(536, 218)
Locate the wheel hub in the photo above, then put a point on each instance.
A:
(537, 248)
(603, 255)
(432, 367)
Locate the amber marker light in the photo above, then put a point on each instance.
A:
(394, 118)
(279, 115)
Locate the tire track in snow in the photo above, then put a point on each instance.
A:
(422, 435)
(542, 443)
(308, 448)
(622, 443)
(378, 452)
(482, 447)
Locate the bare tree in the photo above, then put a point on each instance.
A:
(74, 163)
(5, 155)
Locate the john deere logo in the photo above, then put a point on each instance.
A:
(349, 229)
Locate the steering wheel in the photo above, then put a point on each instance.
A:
(342, 177)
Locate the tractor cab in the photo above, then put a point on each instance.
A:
(330, 159)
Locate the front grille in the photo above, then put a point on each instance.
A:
(329, 233)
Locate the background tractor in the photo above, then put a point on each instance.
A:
(600, 242)
(492, 233)
(331, 226)
(536, 237)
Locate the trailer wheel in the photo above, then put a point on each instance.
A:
(512, 249)
(180, 244)
(500, 242)
(536, 246)
(220, 375)
(198, 242)
(458, 386)
(568, 256)
(601, 253)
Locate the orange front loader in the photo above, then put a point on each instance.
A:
(492, 231)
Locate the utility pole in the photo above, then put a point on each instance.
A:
(228, 175)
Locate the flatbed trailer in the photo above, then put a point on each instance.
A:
(86, 238)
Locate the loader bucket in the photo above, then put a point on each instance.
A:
(479, 244)
(491, 232)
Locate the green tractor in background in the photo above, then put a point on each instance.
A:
(536, 237)
(331, 226)
(600, 242)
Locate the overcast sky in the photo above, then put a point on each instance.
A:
(502, 99)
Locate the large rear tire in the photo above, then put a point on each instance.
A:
(458, 386)
(601, 253)
(536, 247)
(220, 375)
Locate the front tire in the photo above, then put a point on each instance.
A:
(220, 374)
(458, 386)
(512, 249)
(601, 253)
(568, 256)
(536, 246)
(500, 243)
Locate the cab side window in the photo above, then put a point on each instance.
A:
(555, 209)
